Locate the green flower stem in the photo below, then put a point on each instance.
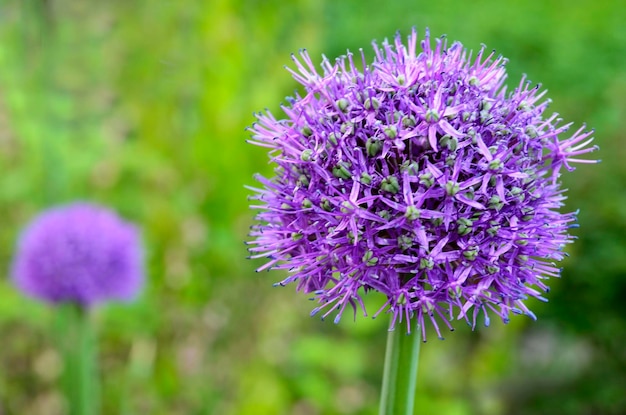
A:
(400, 373)
(78, 347)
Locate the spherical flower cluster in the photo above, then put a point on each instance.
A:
(79, 253)
(420, 177)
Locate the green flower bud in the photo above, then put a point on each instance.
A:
(464, 226)
(495, 203)
(384, 214)
(303, 180)
(408, 121)
(426, 179)
(373, 146)
(369, 259)
(341, 171)
(471, 253)
(496, 165)
(405, 242)
(411, 167)
(432, 116)
(452, 188)
(390, 184)
(391, 131)
(450, 160)
(426, 263)
(518, 193)
(342, 104)
(485, 116)
(443, 141)
(492, 269)
(522, 241)
(325, 204)
(306, 155)
(366, 178)
(437, 221)
(455, 292)
(346, 127)
(306, 131)
(412, 213)
(401, 299)
(428, 307)
(453, 144)
(501, 129)
(495, 227)
(371, 103)
(352, 238)
(528, 214)
(346, 207)
(332, 137)
(531, 131)
(523, 106)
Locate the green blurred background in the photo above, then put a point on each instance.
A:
(142, 105)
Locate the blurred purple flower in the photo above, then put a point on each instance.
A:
(419, 177)
(80, 253)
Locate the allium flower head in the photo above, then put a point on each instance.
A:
(79, 253)
(418, 176)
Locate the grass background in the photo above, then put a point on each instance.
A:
(142, 105)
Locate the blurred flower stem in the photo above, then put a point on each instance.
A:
(400, 373)
(77, 345)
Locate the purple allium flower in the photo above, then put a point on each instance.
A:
(420, 177)
(79, 253)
